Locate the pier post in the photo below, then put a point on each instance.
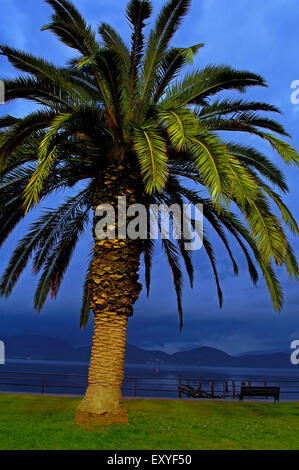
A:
(135, 386)
(43, 383)
(212, 388)
(179, 386)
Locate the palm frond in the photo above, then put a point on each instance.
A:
(113, 90)
(286, 214)
(7, 121)
(20, 258)
(209, 155)
(252, 158)
(266, 229)
(58, 262)
(181, 126)
(85, 309)
(169, 67)
(138, 11)
(22, 129)
(150, 149)
(237, 229)
(58, 220)
(212, 216)
(113, 41)
(47, 156)
(40, 91)
(273, 284)
(223, 107)
(292, 263)
(198, 85)
(173, 260)
(173, 194)
(70, 27)
(166, 25)
(121, 54)
(285, 150)
(148, 252)
(209, 250)
(245, 120)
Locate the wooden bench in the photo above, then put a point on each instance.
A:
(252, 391)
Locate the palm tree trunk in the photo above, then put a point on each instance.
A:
(113, 290)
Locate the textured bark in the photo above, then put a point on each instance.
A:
(113, 290)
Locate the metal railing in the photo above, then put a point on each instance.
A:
(66, 384)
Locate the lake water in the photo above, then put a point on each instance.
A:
(152, 381)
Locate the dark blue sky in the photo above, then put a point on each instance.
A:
(254, 35)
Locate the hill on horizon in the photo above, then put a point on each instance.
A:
(37, 347)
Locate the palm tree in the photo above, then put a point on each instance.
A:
(135, 122)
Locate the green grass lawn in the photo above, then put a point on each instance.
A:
(35, 422)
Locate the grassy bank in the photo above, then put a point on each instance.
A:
(34, 422)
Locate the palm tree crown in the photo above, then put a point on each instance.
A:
(139, 108)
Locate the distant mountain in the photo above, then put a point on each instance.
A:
(280, 360)
(36, 347)
(211, 357)
(135, 355)
(48, 348)
(204, 356)
(258, 352)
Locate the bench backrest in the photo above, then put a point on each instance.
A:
(249, 390)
